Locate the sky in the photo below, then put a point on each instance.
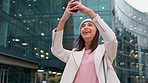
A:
(141, 5)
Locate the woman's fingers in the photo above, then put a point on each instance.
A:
(73, 6)
(74, 3)
(77, 7)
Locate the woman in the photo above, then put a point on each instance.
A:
(84, 64)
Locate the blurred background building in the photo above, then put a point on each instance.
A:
(131, 29)
(25, 39)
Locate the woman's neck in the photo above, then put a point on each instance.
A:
(87, 45)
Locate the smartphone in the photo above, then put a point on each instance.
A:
(73, 6)
(76, 0)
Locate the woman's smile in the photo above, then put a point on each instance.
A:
(85, 32)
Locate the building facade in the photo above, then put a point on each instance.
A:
(25, 39)
(25, 35)
(131, 29)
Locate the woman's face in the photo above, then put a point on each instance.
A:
(88, 31)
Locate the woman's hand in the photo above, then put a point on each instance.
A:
(65, 17)
(68, 11)
(80, 7)
(83, 9)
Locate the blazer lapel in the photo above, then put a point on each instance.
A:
(99, 52)
(78, 57)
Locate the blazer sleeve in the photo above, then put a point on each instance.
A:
(57, 46)
(110, 41)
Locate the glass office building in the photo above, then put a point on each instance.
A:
(131, 28)
(25, 39)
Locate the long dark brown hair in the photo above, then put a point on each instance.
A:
(81, 44)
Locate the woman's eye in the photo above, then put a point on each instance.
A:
(82, 26)
(89, 24)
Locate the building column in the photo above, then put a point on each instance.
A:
(140, 64)
(4, 24)
(146, 59)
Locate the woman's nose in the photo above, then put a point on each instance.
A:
(86, 27)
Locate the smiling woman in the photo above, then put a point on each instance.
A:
(88, 62)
